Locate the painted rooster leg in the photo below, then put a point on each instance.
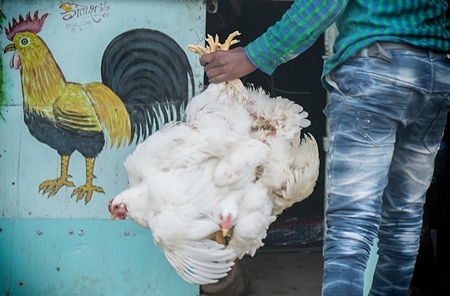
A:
(219, 238)
(52, 186)
(87, 189)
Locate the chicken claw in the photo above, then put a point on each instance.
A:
(230, 41)
(214, 44)
(52, 186)
(86, 191)
(198, 49)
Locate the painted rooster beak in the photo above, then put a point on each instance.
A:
(113, 216)
(10, 47)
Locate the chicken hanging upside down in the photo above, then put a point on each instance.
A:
(209, 188)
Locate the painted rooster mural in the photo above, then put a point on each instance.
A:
(146, 79)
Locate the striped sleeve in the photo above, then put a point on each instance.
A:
(297, 30)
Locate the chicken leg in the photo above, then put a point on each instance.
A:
(214, 44)
(52, 186)
(87, 189)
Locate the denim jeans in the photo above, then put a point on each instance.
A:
(386, 123)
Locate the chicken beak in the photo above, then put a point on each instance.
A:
(9, 47)
(225, 232)
(113, 216)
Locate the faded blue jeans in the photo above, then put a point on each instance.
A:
(386, 123)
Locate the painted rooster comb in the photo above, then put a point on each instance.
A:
(33, 25)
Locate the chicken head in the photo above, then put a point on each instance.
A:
(118, 210)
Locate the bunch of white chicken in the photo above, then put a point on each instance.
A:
(209, 188)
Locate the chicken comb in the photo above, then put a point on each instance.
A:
(33, 25)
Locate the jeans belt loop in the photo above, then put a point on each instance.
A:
(378, 49)
(381, 53)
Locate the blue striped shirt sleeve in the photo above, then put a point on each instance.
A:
(298, 29)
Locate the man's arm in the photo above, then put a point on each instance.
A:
(297, 30)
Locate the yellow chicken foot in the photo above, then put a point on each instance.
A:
(52, 186)
(87, 189)
(230, 41)
(214, 44)
(198, 49)
(219, 238)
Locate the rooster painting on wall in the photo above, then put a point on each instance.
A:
(146, 82)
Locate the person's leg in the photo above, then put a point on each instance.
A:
(400, 228)
(356, 178)
(409, 178)
(373, 101)
(358, 160)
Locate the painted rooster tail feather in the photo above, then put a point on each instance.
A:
(151, 74)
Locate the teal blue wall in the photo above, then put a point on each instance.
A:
(39, 254)
(50, 257)
(370, 269)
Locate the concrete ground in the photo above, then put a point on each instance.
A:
(285, 272)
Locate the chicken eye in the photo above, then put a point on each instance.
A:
(24, 41)
(116, 207)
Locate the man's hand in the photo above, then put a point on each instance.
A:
(226, 65)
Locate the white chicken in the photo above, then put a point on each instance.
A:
(209, 188)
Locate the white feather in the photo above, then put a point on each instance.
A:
(238, 154)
